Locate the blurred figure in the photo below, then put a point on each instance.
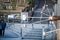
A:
(0, 28)
(37, 3)
(3, 24)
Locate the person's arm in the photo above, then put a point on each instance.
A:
(5, 24)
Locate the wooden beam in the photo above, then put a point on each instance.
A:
(10, 10)
(19, 9)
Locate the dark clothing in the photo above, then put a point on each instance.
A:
(2, 28)
(0, 32)
(0, 25)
